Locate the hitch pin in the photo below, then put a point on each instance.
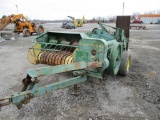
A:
(5, 101)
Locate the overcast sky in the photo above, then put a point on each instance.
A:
(60, 9)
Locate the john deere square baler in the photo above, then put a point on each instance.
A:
(94, 54)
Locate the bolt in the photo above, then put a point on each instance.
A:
(19, 106)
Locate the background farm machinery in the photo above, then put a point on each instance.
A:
(67, 25)
(138, 26)
(78, 22)
(22, 25)
(85, 54)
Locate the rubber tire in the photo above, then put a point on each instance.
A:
(37, 29)
(125, 60)
(24, 32)
(137, 28)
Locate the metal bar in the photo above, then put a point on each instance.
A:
(106, 36)
(56, 44)
(62, 68)
(44, 49)
(97, 75)
(21, 98)
(101, 25)
(24, 97)
(59, 85)
(35, 39)
(111, 27)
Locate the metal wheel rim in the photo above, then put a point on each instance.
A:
(27, 32)
(40, 29)
(128, 64)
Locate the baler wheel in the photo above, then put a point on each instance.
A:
(125, 63)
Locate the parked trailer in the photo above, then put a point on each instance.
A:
(138, 26)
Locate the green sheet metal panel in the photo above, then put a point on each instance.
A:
(96, 49)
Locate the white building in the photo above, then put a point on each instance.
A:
(149, 18)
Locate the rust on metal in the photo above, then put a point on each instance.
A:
(55, 58)
(5, 101)
(64, 58)
(2, 99)
(77, 65)
(138, 26)
(39, 75)
(48, 58)
(26, 82)
(93, 52)
(94, 64)
(39, 57)
(123, 22)
(60, 58)
(45, 57)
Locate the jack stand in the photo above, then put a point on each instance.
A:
(75, 90)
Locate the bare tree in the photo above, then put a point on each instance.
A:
(150, 12)
(158, 11)
(135, 15)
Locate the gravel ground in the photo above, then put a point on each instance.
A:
(134, 97)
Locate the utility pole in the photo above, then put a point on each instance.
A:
(123, 9)
(17, 8)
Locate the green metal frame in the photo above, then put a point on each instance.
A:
(97, 51)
